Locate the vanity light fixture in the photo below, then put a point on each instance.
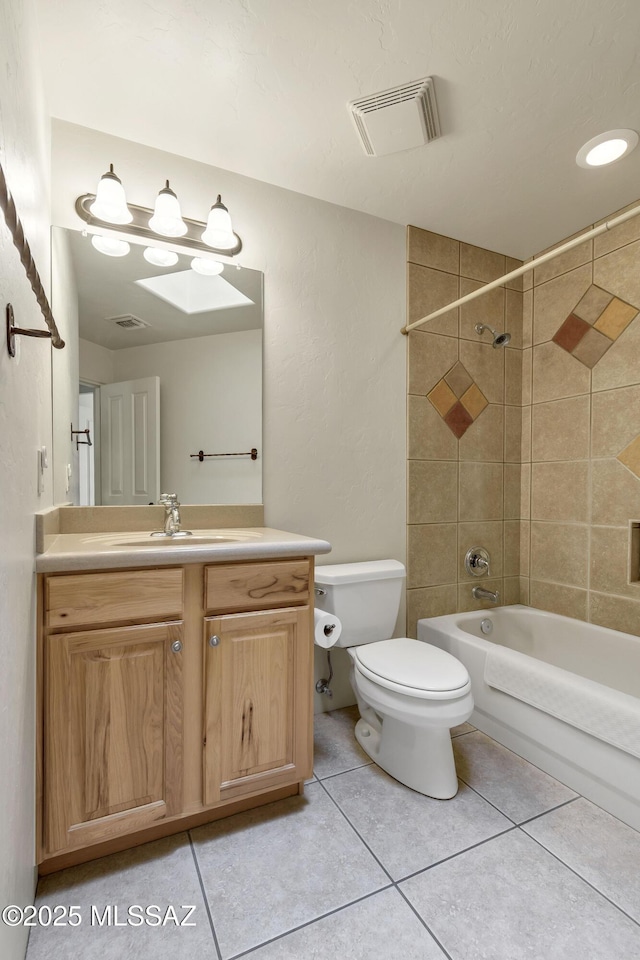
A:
(159, 257)
(110, 202)
(207, 268)
(606, 148)
(167, 216)
(111, 246)
(108, 210)
(219, 232)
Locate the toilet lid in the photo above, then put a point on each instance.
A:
(422, 669)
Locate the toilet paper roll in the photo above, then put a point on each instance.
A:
(327, 629)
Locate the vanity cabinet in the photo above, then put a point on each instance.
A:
(169, 696)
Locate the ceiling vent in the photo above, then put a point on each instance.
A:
(128, 321)
(397, 119)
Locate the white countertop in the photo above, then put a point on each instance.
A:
(101, 551)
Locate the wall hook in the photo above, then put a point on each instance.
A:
(87, 442)
(13, 332)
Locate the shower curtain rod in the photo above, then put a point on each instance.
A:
(594, 232)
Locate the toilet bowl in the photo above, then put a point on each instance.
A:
(409, 693)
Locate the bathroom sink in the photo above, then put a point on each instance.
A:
(200, 538)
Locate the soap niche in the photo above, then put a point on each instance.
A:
(634, 551)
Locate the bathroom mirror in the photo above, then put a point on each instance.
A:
(161, 364)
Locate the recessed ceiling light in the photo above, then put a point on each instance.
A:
(606, 148)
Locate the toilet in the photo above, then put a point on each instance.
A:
(409, 693)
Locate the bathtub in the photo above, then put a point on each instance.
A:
(563, 694)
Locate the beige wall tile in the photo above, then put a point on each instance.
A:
(513, 318)
(525, 446)
(510, 590)
(513, 434)
(476, 263)
(466, 601)
(511, 563)
(559, 552)
(560, 491)
(486, 366)
(525, 547)
(474, 400)
(619, 236)
(583, 253)
(619, 367)
(442, 397)
(610, 562)
(524, 590)
(619, 273)
(511, 264)
(617, 613)
(429, 438)
(484, 440)
(615, 420)
(430, 357)
(430, 602)
(560, 429)
(554, 301)
(525, 491)
(481, 491)
(489, 309)
(615, 494)
(487, 534)
(429, 290)
(527, 374)
(513, 376)
(527, 278)
(432, 491)
(567, 601)
(512, 485)
(431, 553)
(527, 319)
(556, 374)
(433, 250)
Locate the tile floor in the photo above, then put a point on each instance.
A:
(516, 867)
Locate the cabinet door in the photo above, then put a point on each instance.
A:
(258, 704)
(113, 722)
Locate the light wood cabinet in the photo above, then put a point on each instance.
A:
(169, 696)
(256, 701)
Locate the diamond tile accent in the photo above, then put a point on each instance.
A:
(458, 399)
(442, 397)
(594, 325)
(630, 456)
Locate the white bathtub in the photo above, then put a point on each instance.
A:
(588, 675)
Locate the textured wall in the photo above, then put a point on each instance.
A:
(581, 424)
(464, 427)
(25, 424)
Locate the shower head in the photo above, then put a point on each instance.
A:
(499, 339)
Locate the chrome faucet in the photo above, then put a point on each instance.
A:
(479, 593)
(171, 518)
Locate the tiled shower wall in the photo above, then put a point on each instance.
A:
(532, 451)
(464, 427)
(581, 430)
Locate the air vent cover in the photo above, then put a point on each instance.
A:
(128, 321)
(397, 119)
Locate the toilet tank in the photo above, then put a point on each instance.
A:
(364, 596)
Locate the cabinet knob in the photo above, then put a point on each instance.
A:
(214, 641)
(176, 646)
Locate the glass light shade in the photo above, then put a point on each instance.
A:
(606, 152)
(110, 203)
(219, 232)
(160, 258)
(167, 216)
(207, 268)
(110, 246)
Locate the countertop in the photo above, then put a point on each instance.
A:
(100, 551)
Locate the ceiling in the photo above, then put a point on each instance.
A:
(260, 87)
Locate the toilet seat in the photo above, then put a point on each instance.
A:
(413, 668)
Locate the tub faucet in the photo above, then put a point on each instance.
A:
(479, 593)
